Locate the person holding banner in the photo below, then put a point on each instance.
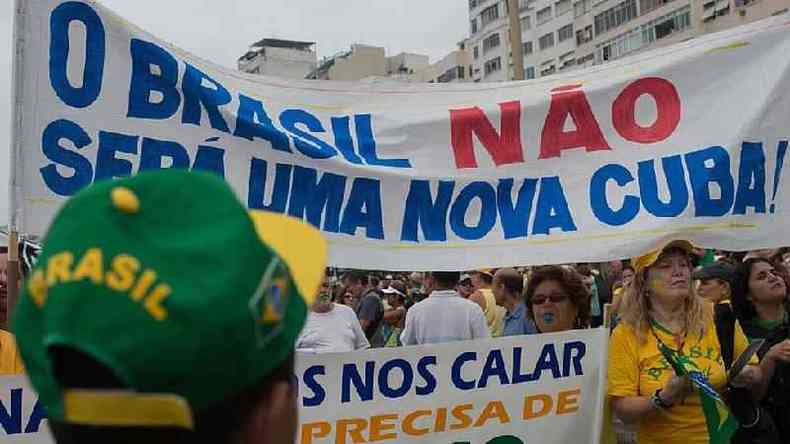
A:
(129, 335)
(761, 303)
(557, 299)
(663, 317)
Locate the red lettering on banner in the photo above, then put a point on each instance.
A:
(667, 110)
(504, 147)
(570, 101)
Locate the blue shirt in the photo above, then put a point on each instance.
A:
(517, 323)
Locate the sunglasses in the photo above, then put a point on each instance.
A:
(555, 298)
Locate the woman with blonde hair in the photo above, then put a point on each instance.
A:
(661, 307)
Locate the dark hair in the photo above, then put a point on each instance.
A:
(513, 283)
(740, 291)
(446, 279)
(356, 277)
(217, 424)
(571, 283)
(629, 267)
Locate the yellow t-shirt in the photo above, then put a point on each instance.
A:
(640, 369)
(10, 361)
(495, 315)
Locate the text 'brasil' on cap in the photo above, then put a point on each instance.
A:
(168, 281)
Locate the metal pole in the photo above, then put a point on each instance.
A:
(515, 40)
(12, 274)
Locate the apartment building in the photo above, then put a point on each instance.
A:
(611, 29)
(547, 33)
(369, 62)
(559, 35)
(281, 58)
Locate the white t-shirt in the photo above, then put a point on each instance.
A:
(338, 330)
(444, 317)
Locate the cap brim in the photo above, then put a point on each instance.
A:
(300, 245)
(649, 258)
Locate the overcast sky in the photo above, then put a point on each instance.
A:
(221, 31)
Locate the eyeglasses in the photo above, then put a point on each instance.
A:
(555, 298)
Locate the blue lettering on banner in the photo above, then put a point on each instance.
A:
(144, 82)
(599, 203)
(458, 364)
(367, 144)
(363, 385)
(312, 198)
(257, 186)
(252, 121)
(751, 179)
(65, 185)
(153, 151)
(494, 366)
(309, 378)
(108, 165)
(487, 196)
(422, 211)
(552, 210)
(702, 177)
(426, 375)
(547, 361)
(573, 352)
(307, 144)
(197, 97)
(11, 416)
(676, 182)
(363, 209)
(343, 140)
(406, 381)
(515, 218)
(59, 47)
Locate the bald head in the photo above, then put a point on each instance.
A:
(511, 280)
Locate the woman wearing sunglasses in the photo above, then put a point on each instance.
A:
(557, 299)
(663, 312)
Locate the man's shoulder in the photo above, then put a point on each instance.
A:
(344, 310)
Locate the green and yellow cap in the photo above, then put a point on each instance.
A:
(168, 281)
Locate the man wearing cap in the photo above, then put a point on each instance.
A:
(715, 282)
(444, 316)
(133, 330)
(484, 297)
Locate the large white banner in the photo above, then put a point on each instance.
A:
(524, 389)
(542, 388)
(587, 165)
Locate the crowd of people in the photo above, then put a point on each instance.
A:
(74, 320)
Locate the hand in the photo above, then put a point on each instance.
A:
(750, 376)
(676, 389)
(779, 352)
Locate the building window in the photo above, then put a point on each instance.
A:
(544, 15)
(492, 66)
(669, 24)
(547, 68)
(584, 35)
(646, 6)
(473, 25)
(489, 15)
(567, 60)
(526, 48)
(588, 58)
(476, 51)
(526, 23)
(581, 7)
(490, 42)
(565, 33)
(546, 41)
(472, 4)
(561, 7)
(461, 71)
(529, 72)
(615, 16)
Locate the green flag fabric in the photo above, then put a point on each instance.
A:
(720, 421)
